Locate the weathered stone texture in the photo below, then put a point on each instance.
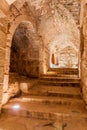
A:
(2, 39)
(84, 56)
(4, 6)
(3, 33)
(1, 74)
(2, 55)
(74, 7)
(71, 56)
(1, 93)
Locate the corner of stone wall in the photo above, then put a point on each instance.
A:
(4, 8)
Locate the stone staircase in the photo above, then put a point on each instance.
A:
(50, 87)
(61, 76)
(50, 98)
(62, 72)
(67, 85)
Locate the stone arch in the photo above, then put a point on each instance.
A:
(25, 48)
(10, 34)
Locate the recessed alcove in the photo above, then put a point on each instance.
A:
(24, 51)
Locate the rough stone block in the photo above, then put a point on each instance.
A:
(1, 74)
(2, 39)
(2, 56)
(5, 83)
(3, 25)
(1, 93)
(6, 68)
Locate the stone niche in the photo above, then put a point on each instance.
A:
(24, 52)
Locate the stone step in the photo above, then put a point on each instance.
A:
(72, 71)
(59, 79)
(41, 109)
(54, 74)
(48, 100)
(56, 91)
(59, 82)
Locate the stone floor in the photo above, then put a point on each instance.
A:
(24, 123)
(38, 115)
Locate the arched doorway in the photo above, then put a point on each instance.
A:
(24, 51)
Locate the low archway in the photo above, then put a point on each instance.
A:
(25, 51)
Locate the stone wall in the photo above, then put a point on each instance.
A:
(84, 50)
(71, 55)
(3, 32)
(74, 8)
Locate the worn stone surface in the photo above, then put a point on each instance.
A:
(57, 116)
(4, 6)
(3, 33)
(84, 54)
(36, 124)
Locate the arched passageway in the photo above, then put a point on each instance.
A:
(61, 38)
(24, 51)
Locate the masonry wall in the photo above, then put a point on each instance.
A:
(3, 33)
(74, 8)
(84, 49)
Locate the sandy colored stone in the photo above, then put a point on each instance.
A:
(3, 39)
(2, 55)
(24, 87)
